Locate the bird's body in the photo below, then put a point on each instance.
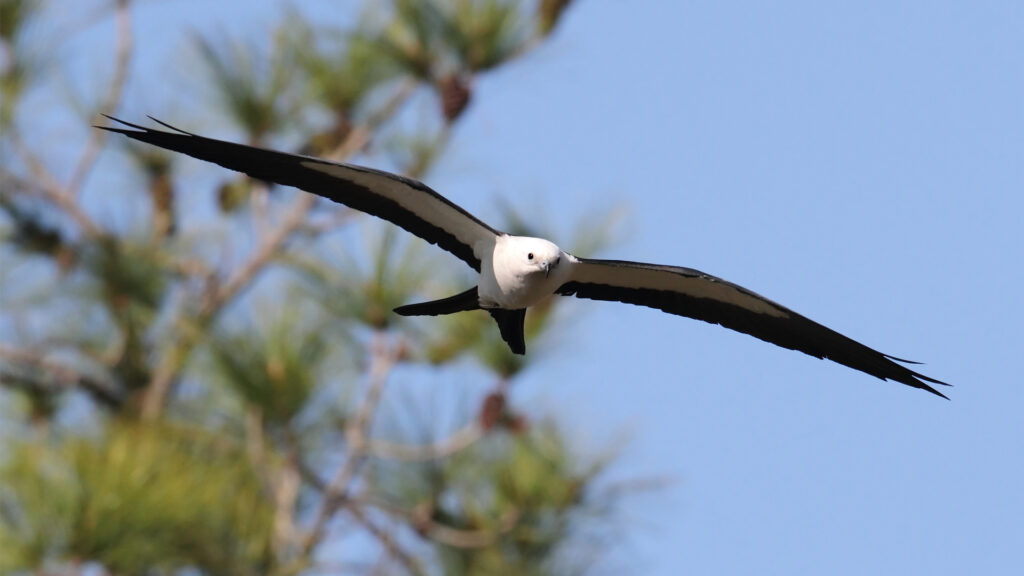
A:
(517, 272)
(520, 271)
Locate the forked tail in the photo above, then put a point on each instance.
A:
(510, 322)
(511, 325)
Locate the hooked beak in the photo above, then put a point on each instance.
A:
(549, 266)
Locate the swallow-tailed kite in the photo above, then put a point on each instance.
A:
(517, 272)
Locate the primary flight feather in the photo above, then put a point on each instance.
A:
(518, 271)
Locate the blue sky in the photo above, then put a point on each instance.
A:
(862, 163)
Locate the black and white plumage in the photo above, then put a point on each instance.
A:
(517, 271)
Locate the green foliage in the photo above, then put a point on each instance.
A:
(367, 292)
(131, 285)
(136, 498)
(13, 80)
(413, 37)
(234, 194)
(157, 165)
(416, 151)
(549, 13)
(485, 33)
(17, 63)
(437, 37)
(447, 42)
(343, 72)
(202, 394)
(29, 232)
(13, 16)
(127, 275)
(275, 369)
(251, 84)
(507, 505)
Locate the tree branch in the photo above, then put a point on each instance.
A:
(358, 137)
(109, 104)
(387, 540)
(459, 440)
(64, 375)
(420, 518)
(271, 245)
(51, 189)
(383, 358)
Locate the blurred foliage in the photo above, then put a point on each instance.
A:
(17, 64)
(140, 497)
(367, 291)
(13, 14)
(447, 43)
(199, 394)
(29, 232)
(501, 506)
(156, 165)
(128, 281)
(435, 38)
(549, 12)
(273, 369)
(485, 33)
(252, 85)
(344, 69)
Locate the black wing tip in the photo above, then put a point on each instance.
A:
(916, 379)
(921, 381)
(137, 128)
(122, 122)
(903, 360)
(932, 390)
(168, 126)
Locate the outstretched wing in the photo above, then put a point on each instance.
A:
(691, 293)
(399, 200)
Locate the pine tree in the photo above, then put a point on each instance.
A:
(193, 391)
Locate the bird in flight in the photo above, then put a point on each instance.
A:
(517, 272)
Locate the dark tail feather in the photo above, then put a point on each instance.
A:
(468, 300)
(510, 324)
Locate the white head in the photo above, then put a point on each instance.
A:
(534, 255)
(522, 272)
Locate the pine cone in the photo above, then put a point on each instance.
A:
(455, 95)
(491, 410)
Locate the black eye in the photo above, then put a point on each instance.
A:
(529, 256)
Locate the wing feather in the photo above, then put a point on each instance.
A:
(694, 294)
(403, 201)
